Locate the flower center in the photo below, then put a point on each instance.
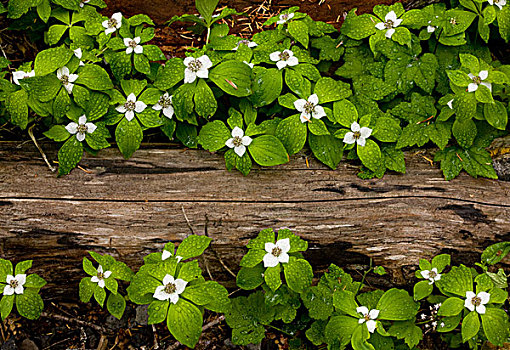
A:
(195, 65)
(285, 16)
(389, 24)
(432, 274)
(64, 79)
(366, 317)
(82, 128)
(309, 107)
(132, 44)
(276, 251)
(357, 134)
(284, 56)
(237, 141)
(477, 80)
(14, 283)
(165, 101)
(476, 301)
(453, 21)
(245, 42)
(100, 275)
(112, 22)
(130, 105)
(170, 288)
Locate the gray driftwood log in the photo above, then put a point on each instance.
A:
(129, 208)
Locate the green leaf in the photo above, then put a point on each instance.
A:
(267, 86)
(330, 90)
(298, 274)
(267, 150)
(464, 131)
(371, 156)
(158, 310)
(129, 136)
(292, 133)
(299, 31)
(496, 114)
(266, 235)
(86, 289)
(318, 301)
(206, 8)
(252, 258)
(393, 159)
(483, 94)
(116, 304)
(94, 77)
(494, 253)
(184, 321)
(358, 27)
(373, 87)
(213, 135)
(69, 155)
(88, 267)
(35, 281)
(458, 281)
(16, 106)
(57, 133)
(55, 32)
(397, 305)
(387, 129)
(470, 326)
(153, 53)
(29, 304)
(170, 74)
(343, 300)
(205, 102)
(49, 60)
(451, 307)
(345, 113)
(459, 78)
(495, 326)
(22, 267)
(441, 261)
(407, 330)
(422, 290)
(327, 149)
(317, 127)
(141, 63)
(193, 246)
(233, 77)
(272, 277)
(250, 278)
(475, 160)
(6, 305)
(340, 329)
(296, 243)
(470, 62)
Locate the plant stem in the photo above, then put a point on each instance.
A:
(364, 276)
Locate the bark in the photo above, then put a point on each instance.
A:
(129, 208)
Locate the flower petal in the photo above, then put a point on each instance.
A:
(488, 85)
(160, 293)
(180, 285)
(470, 295)
(80, 136)
(137, 39)
(349, 138)
(304, 118)
(127, 41)
(361, 141)
(391, 16)
(390, 32)
(319, 112)
(472, 87)
(8, 290)
(237, 132)
(246, 140)
(397, 22)
(293, 61)
(484, 296)
(90, 127)
(157, 107)
(72, 128)
(107, 274)
(188, 60)
(355, 127)
(189, 76)
(101, 283)
(129, 50)
(9, 279)
(373, 314)
(371, 324)
(269, 246)
(230, 143)
(300, 105)
(275, 56)
(168, 112)
(131, 97)
(425, 274)
(380, 26)
(450, 104)
(118, 17)
(480, 309)
(240, 150)
(138, 49)
(168, 279)
(483, 74)
(469, 305)
(174, 298)
(206, 61)
(365, 132)
(165, 255)
(362, 310)
(21, 278)
(284, 245)
(283, 258)
(95, 279)
(121, 109)
(82, 120)
(203, 73)
(281, 64)
(140, 106)
(105, 24)
(314, 99)
(270, 260)
(129, 115)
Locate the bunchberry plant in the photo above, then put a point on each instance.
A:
(430, 272)
(18, 287)
(104, 277)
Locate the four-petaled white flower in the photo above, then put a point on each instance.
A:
(112, 24)
(369, 317)
(431, 275)
(477, 301)
(251, 65)
(81, 128)
(309, 108)
(238, 141)
(78, 53)
(15, 284)
(17, 76)
(165, 104)
(276, 253)
(83, 2)
(132, 45)
(66, 78)
(390, 23)
(284, 59)
(357, 134)
(170, 289)
(498, 3)
(478, 80)
(166, 254)
(284, 17)
(196, 67)
(450, 104)
(100, 277)
(131, 106)
(431, 29)
(248, 43)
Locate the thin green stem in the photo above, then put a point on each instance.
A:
(279, 330)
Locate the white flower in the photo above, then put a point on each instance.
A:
(17, 76)
(100, 277)
(450, 104)
(498, 3)
(83, 2)
(284, 17)
(112, 24)
(66, 78)
(276, 253)
(131, 106)
(81, 128)
(477, 301)
(170, 289)
(431, 29)
(431, 275)
(166, 254)
(441, 324)
(284, 59)
(78, 53)
(390, 23)
(165, 104)
(477, 80)
(238, 141)
(196, 67)
(15, 284)
(132, 45)
(423, 316)
(309, 108)
(357, 134)
(248, 43)
(249, 64)
(368, 317)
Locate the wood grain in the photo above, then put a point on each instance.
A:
(129, 208)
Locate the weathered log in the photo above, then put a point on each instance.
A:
(129, 208)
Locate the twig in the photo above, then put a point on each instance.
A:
(76, 321)
(2, 329)
(214, 251)
(31, 134)
(3, 52)
(156, 345)
(213, 323)
(187, 220)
